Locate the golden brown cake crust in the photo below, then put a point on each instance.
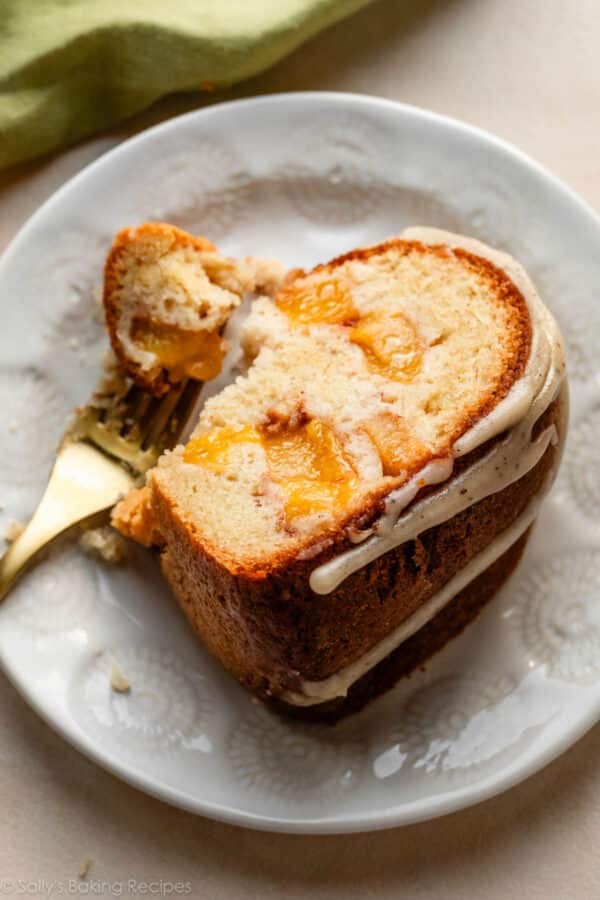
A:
(274, 632)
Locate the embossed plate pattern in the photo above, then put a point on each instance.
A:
(305, 177)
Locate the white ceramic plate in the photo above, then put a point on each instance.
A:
(302, 176)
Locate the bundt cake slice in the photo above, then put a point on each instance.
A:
(397, 424)
(167, 296)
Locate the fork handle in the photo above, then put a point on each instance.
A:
(82, 483)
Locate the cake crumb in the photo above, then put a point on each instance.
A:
(118, 681)
(84, 869)
(134, 517)
(265, 274)
(73, 343)
(13, 426)
(14, 529)
(104, 543)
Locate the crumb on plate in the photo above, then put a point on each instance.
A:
(104, 543)
(118, 681)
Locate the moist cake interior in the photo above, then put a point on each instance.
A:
(360, 372)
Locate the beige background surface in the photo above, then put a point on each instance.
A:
(528, 70)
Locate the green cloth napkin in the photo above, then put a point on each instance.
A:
(69, 68)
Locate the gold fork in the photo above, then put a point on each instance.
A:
(111, 443)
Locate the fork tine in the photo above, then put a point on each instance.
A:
(186, 406)
(170, 417)
(124, 409)
(139, 403)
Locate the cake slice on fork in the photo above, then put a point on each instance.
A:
(167, 297)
